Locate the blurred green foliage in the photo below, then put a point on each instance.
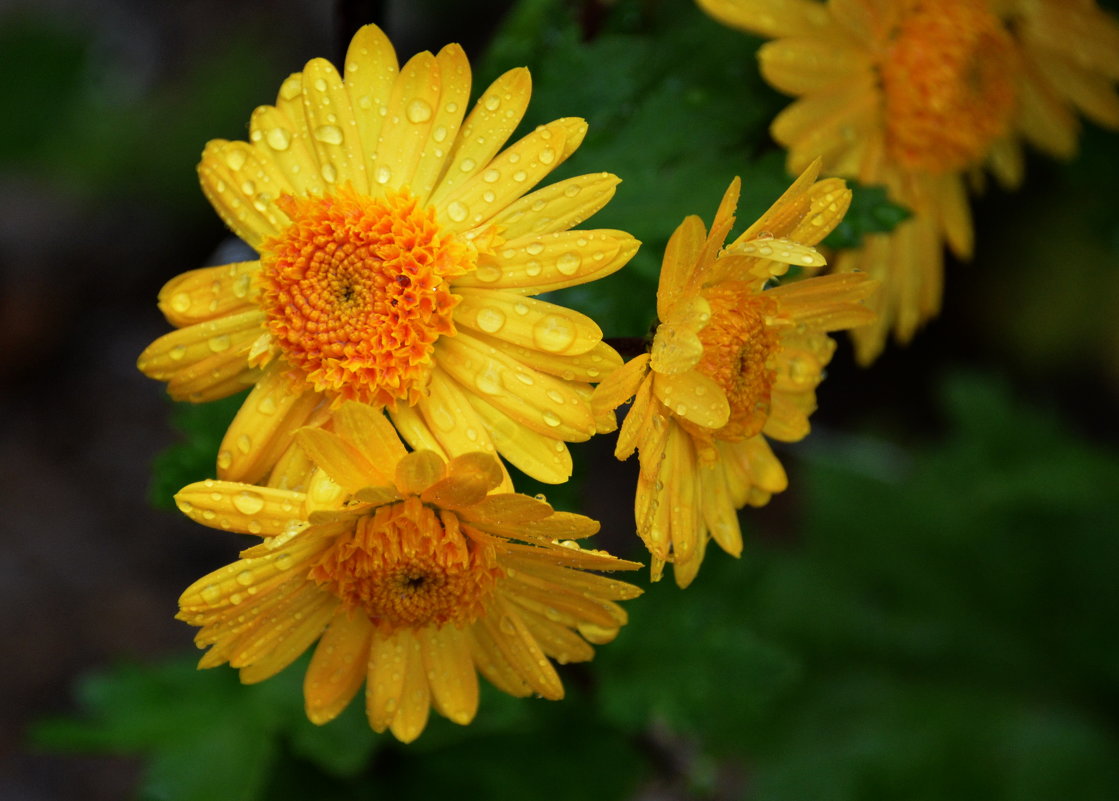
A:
(942, 626)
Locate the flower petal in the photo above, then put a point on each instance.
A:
(232, 174)
(693, 396)
(454, 681)
(415, 694)
(344, 463)
(533, 264)
(369, 431)
(556, 207)
(243, 508)
(419, 470)
(338, 666)
(516, 643)
(209, 292)
(469, 478)
(526, 322)
(544, 458)
(330, 121)
(384, 685)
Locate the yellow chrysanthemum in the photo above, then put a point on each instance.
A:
(403, 568)
(398, 255)
(734, 361)
(918, 95)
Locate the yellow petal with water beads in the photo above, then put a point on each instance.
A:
(454, 681)
(232, 506)
(388, 661)
(442, 120)
(555, 207)
(490, 123)
(338, 667)
(449, 418)
(590, 367)
(415, 694)
(287, 144)
(527, 322)
(783, 251)
(370, 71)
(184, 349)
(534, 264)
(544, 458)
(516, 644)
(242, 186)
(208, 293)
(694, 397)
(415, 96)
(330, 121)
(681, 257)
(677, 347)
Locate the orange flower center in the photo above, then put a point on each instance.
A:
(408, 567)
(356, 292)
(738, 351)
(947, 79)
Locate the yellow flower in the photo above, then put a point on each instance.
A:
(399, 253)
(919, 95)
(734, 360)
(401, 566)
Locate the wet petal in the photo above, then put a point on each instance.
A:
(454, 682)
(526, 322)
(244, 508)
(338, 666)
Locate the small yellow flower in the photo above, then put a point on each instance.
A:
(403, 567)
(734, 361)
(918, 96)
(400, 248)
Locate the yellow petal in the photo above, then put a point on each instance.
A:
(493, 664)
(492, 120)
(544, 404)
(264, 427)
(509, 175)
(515, 642)
(772, 18)
(289, 640)
(286, 143)
(622, 384)
(796, 66)
(526, 322)
(693, 396)
(534, 264)
(677, 347)
(469, 478)
(454, 682)
(415, 694)
(345, 465)
(419, 470)
(407, 131)
(681, 257)
(244, 508)
(384, 685)
(370, 72)
(449, 418)
(544, 458)
(556, 207)
(234, 177)
(589, 367)
(330, 119)
(450, 107)
(369, 431)
(208, 293)
(338, 666)
(181, 352)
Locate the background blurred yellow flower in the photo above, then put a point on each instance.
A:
(918, 96)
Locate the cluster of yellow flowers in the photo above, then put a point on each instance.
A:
(398, 355)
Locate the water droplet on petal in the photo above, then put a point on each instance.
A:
(384, 174)
(457, 211)
(278, 139)
(490, 319)
(181, 302)
(467, 165)
(244, 443)
(418, 111)
(569, 262)
(329, 174)
(248, 502)
(225, 459)
(547, 156)
(245, 578)
(488, 273)
(235, 159)
(553, 333)
(211, 593)
(329, 134)
(552, 419)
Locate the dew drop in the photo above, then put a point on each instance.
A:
(225, 459)
(519, 176)
(490, 319)
(553, 333)
(552, 419)
(384, 174)
(439, 134)
(329, 134)
(520, 308)
(418, 111)
(534, 248)
(235, 159)
(488, 382)
(245, 578)
(572, 190)
(457, 211)
(492, 102)
(248, 187)
(284, 561)
(491, 176)
(488, 273)
(248, 502)
(569, 263)
(555, 396)
(533, 268)
(525, 379)
(547, 156)
(320, 85)
(211, 593)
(181, 303)
(267, 406)
(488, 196)
(219, 343)
(244, 443)
(329, 174)
(467, 165)
(254, 528)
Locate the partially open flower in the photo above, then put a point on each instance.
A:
(409, 571)
(734, 360)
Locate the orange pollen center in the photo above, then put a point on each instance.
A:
(738, 351)
(356, 292)
(406, 566)
(948, 82)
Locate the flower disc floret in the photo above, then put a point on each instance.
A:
(356, 293)
(738, 354)
(947, 88)
(406, 566)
